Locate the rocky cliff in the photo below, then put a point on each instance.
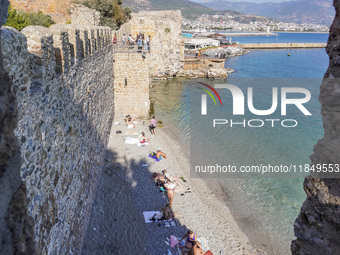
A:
(16, 227)
(317, 228)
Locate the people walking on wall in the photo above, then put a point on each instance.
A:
(140, 44)
(197, 53)
(152, 125)
(149, 42)
(129, 39)
(145, 42)
(124, 39)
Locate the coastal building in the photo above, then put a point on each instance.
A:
(195, 44)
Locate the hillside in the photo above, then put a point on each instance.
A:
(189, 9)
(299, 11)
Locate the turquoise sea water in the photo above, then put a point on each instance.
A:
(268, 206)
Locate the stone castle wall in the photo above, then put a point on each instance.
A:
(131, 84)
(59, 10)
(167, 43)
(62, 78)
(16, 227)
(83, 16)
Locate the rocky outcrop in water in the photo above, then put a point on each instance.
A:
(225, 52)
(317, 228)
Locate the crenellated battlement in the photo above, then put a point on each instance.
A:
(62, 78)
(70, 45)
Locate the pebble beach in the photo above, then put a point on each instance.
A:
(126, 190)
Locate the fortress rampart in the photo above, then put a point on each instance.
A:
(62, 78)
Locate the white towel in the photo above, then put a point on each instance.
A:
(130, 140)
(149, 214)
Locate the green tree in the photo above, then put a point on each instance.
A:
(112, 13)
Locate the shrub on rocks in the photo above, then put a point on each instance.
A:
(19, 19)
(112, 13)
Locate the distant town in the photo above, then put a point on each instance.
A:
(240, 22)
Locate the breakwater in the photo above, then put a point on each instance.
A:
(282, 45)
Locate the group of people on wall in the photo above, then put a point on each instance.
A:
(141, 40)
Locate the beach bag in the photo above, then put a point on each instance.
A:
(118, 131)
(173, 241)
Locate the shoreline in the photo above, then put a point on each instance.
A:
(211, 196)
(260, 243)
(252, 223)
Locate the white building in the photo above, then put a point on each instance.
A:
(196, 44)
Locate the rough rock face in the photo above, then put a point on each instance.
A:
(317, 228)
(227, 51)
(58, 10)
(216, 73)
(3, 11)
(16, 228)
(62, 79)
(83, 16)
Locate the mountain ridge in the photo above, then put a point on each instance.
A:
(188, 8)
(298, 11)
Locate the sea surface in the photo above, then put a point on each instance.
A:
(265, 207)
(284, 38)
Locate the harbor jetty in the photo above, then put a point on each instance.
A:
(249, 34)
(282, 45)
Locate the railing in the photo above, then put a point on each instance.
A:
(130, 48)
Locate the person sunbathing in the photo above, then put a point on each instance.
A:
(190, 238)
(196, 249)
(172, 188)
(143, 138)
(156, 177)
(168, 213)
(172, 177)
(160, 154)
(129, 122)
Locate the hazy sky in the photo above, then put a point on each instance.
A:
(254, 1)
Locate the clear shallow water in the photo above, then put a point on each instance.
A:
(269, 206)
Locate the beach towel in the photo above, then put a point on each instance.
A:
(130, 133)
(131, 140)
(173, 241)
(149, 214)
(204, 243)
(154, 157)
(141, 144)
